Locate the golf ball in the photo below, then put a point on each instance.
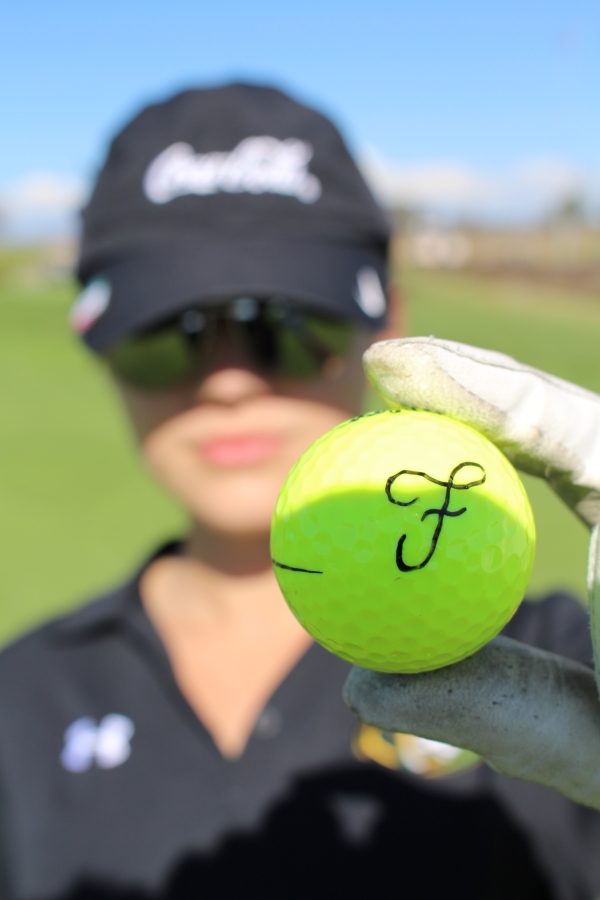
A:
(403, 541)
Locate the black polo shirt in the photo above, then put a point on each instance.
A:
(111, 787)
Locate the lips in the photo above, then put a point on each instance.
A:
(239, 450)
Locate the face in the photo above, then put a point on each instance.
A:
(223, 444)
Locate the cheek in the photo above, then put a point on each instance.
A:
(148, 414)
(325, 407)
(163, 453)
(339, 394)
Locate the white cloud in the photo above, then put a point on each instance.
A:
(522, 191)
(40, 204)
(422, 183)
(45, 204)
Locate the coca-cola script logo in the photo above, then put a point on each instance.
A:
(258, 165)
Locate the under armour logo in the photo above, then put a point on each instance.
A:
(106, 744)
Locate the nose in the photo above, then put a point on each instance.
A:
(232, 377)
(231, 384)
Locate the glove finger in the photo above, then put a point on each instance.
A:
(546, 426)
(518, 707)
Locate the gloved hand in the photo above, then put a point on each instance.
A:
(531, 714)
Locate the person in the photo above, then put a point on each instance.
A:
(181, 735)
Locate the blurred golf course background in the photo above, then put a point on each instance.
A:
(77, 509)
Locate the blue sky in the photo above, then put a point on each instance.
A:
(456, 90)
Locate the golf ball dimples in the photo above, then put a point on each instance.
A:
(403, 541)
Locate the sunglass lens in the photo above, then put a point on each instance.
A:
(280, 340)
(153, 360)
(301, 343)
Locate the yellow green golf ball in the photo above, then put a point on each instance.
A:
(403, 541)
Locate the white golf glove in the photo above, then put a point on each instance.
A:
(530, 713)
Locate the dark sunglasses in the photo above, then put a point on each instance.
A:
(279, 339)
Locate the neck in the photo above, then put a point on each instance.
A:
(217, 579)
(237, 557)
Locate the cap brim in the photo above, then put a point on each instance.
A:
(343, 279)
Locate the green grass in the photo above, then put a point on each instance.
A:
(78, 510)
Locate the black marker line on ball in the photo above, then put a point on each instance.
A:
(281, 565)
(441, 513)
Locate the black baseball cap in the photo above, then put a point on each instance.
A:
(222, 192)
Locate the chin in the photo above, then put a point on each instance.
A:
(235, 513)
(253, 524)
